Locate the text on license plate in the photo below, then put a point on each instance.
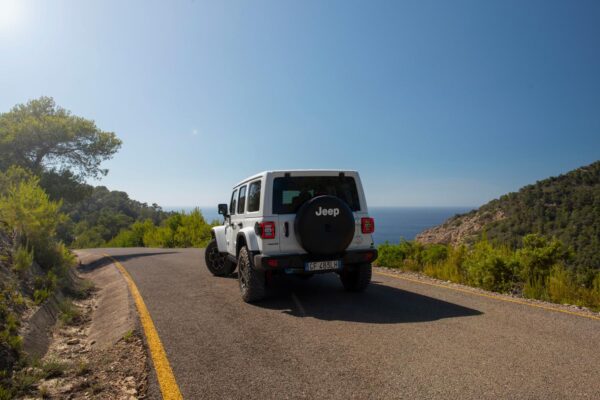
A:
(323, 265)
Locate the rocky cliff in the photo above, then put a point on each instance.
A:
(566, 207)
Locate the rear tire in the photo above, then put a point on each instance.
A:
(252, 282)
(356, 279)
(217, 264)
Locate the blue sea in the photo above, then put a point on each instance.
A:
(391, 223)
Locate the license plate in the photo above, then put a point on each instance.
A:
(323, 265)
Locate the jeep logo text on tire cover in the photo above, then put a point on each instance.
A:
(327, 211)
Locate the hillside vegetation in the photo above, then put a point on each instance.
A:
(566, 207)
(178, 230)
(542, 242)
(537, 269)
(46, 207)
(100, 216)
(34, 263)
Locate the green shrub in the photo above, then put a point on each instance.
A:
(596, 285)
(53, 369)
(22, 259)
(159, 237)
(10, 341)
(561, 287)
(489, 267)
(391, 255)
(192, 231)
(68, 312)
(87, 238)
(6, 393)
(444, 271)
(539, 269)
(24, 382)
(44, 286)
(581, 295)
(132, 237)
(40, 295)
(83, 368)
(10, 332)
(125, 238)
(537, 257)
(47, 281)
(57, 258)
(128, 336)
(434, 254)
(80, 289)
(451, 268)
(179, 230)
(591, 297)
(405, 255)
(26, 208)
(535, 288)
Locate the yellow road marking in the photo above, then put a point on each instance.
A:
(164, 373)
(489, 296)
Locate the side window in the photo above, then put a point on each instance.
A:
(242, 200)
(233, 202)
(254, 196)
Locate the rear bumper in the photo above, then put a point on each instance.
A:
(295, 263)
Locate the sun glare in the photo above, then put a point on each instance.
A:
(11, 13)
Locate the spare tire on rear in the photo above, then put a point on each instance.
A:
(324, 225)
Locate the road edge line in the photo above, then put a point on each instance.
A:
(489, 296)
(164, 372)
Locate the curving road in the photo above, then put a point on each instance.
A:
(400, 339)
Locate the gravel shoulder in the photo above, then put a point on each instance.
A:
(96, 348)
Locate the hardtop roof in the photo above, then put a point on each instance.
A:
(294, 171)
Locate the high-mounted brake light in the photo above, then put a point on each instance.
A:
(267, 230)
(367, 225)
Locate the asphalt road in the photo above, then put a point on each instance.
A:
(399, 339)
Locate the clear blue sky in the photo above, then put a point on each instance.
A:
(435, 103)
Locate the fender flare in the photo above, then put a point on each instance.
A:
(218, 233)
(250, 237)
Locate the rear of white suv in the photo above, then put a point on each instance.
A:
(309, 222)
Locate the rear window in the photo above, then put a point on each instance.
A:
(290, 193)
(232, 205)
(254, 197)
(242, 200)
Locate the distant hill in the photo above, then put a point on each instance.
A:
(102, 214)
(566, 206)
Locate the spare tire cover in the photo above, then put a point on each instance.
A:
(324, 225)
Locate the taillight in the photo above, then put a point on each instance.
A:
(367, 225)
(267, 230)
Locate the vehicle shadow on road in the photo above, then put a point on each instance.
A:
(324, 298)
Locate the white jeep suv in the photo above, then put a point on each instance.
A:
(294, 222)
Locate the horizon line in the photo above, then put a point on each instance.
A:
(372, 206)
